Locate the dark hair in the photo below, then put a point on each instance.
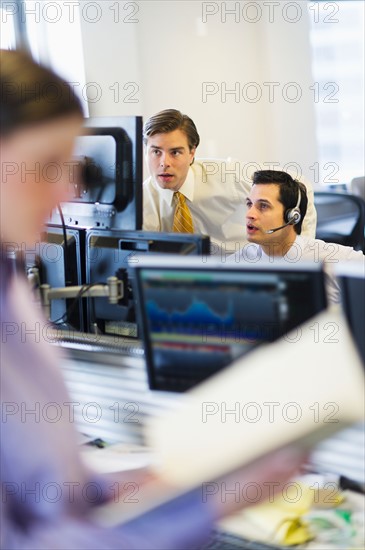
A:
(288, 193)
(168, 121)
(30, 93)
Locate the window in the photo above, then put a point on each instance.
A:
(337, 40)
(52, 33)
(7, 29)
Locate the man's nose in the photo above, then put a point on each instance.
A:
(165, 160)
(250, 214)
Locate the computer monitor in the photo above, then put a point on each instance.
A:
(352, 282)
(197, 316)
(109, 253)
(106, 176)
(59, 264)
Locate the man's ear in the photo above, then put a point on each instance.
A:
(192, 152)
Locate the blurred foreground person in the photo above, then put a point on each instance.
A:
(47, 495)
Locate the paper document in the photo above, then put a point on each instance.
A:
(117, 458)
(297, 390)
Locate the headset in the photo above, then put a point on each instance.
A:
(291, 217)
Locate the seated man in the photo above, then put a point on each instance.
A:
(276, 210)
(204, 196)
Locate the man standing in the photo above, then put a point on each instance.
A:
(204, 196)
(276, 210)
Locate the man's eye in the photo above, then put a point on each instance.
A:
(176, 153)
(155, 152)
(264, 206)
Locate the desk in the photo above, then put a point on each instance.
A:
(99, 373)
(240, 530)
(110, 372)
(117, 381)
(262, 524)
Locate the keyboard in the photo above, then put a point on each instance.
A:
(120, 345)
(222, 540)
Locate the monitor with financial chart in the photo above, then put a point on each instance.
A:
(198, 316)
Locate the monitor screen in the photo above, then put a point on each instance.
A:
(352, 281)
(58, 263)
(198, 317)
(108, 254)
(105, 184)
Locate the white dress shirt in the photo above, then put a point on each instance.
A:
(216, 194)
(309, 250)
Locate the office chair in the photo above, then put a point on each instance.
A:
(357, 187)
(340, 219)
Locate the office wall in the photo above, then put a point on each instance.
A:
(189, 55)
(112, 66)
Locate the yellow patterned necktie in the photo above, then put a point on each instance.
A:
(183, 222)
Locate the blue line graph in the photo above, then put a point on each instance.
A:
(197, 312)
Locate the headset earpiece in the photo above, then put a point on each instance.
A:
(293, 215)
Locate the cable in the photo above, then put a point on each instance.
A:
(66, 316)
(66, 258)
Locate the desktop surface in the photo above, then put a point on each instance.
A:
(222, 540)
(110, 377)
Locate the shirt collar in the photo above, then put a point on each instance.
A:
(298, 242)
(187, 189)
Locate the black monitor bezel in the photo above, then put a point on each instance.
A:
(347, 275)
(200, 247)
(317, 271)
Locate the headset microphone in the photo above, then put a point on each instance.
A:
(291, 217)
(277, 228)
